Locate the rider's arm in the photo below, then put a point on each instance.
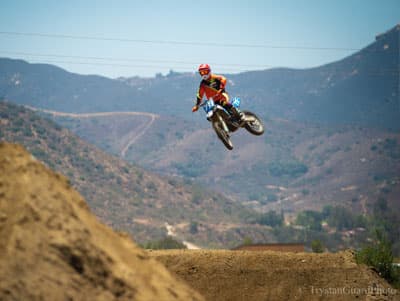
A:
(199, 95)
(222, 80)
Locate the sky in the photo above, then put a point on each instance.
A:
(145, 38)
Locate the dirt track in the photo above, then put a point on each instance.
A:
(267, 275)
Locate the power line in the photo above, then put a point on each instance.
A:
(45, 61)
(157, 67)
(398, 79)
(383, 72)
(46, 35)
(128, 60)
(112, 59)
(188, 43)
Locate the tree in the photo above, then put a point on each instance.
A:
(247, 241)
(194, 227)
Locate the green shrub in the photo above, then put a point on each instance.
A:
(310, 219)
(39, 154)
(191, 169)
(305, 191)
(292, 169)
(165, 243)
(272, 197)
(379, 256)
(271, 218)
(197, 195)
(27, 132)
(317, 246)
(151, 186)
(390, 144)
(342, 218)
(247, 241)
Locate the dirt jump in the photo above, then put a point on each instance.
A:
(271, 275)
(53, 248)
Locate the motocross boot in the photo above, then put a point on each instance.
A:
(237, 114)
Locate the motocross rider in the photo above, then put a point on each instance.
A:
(213, 86)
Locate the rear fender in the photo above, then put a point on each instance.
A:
(249, 118)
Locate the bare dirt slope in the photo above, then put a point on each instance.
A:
(53, 248)
(268, 275)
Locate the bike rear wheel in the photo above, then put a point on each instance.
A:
(222, 134)
(253, 124)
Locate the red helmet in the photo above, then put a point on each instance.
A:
(205, 71)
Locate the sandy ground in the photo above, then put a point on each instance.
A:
(268, 275)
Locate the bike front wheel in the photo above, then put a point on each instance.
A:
(222, 134)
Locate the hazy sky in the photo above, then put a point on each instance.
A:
(128, 38)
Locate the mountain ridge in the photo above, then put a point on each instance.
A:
(361, 89)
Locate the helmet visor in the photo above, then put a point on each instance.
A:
(204, 72)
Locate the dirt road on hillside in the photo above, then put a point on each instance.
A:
(138, 133)
(171, 232)
(267, 275)
(134, 135)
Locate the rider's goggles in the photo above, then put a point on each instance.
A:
(204, 72)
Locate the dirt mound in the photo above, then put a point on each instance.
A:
(268, 275)
(53, 248)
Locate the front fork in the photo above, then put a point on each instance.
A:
(222, 121)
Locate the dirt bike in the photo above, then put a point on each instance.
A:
(224, 123)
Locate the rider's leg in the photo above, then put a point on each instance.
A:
(233, 110)
(237, 113)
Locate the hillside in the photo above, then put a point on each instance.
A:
(53, 248)
(289, 168)
(124, 196)
(335, 184)
(361, 89)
